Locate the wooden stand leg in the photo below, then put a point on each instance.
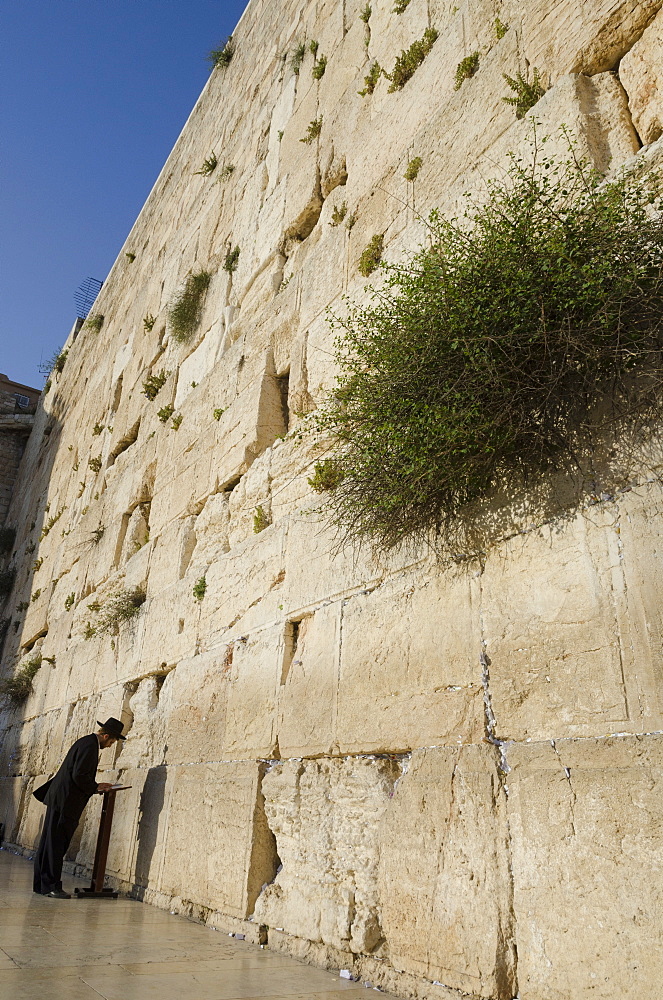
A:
(96, 889)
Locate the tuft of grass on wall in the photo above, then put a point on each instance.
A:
(327, 475)
(465, 69)
(526, 93)
(199, 588)
(153, 384)
(409, 61)
(121, 607)
(95, 322)
(298, 58)
(148, 322)
(371, 80)
(500, 350)
(231, 260)
(319, 68)
(260, 520)
(17, 689)
(222, 55)
(186, 311)
(313, 130)
(209, 165)
(413, 168)
(371, 255)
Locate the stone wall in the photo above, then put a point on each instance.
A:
(443, 777)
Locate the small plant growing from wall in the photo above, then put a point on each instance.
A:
(319, 68)
(350, 221)
(327, 475)
(371, 255)
(7, 577)
(199, 588)
(69, 602)
(371, 80)
(298, 58)
(148, 322)
(165, 413)
(313, 131)
(176, 422)
(500, 28)
(222, 56)
(130, 257)
(95, 322)
(465, 69)
(7, 539)
(23, 606)
(218, 413)
(153, 385)
(35, 597)
(52, 521)
(400, 6)
(339, 212)
(122, 606)
(413, 168)
(97, 429)
(408, 62)
(97, 534)
(260, 520)
(527, 93)
(313, 48)
(18, 688)
(210, 164)
(226, 171)
(37, 564)
(186, 311)
(95, 463)
(365, 13)
(231, 260)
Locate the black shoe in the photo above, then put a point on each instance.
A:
(58, 894)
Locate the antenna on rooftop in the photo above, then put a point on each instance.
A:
(85, 295)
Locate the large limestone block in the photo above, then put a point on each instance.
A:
(641, 73)
(193, 704)
(552, 639)
(444, 873)
(585, 819)
(244, 586)
(308, 692)
(231, 853)
(566, 37)
(253, 693)
(325, 815)
(410, 673)
(640, 611)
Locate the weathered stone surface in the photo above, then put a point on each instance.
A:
(444, 873)
(641, 73)
(325, 816)
(584, 818)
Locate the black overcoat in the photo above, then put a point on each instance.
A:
(69, 790)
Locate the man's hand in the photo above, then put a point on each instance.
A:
(103, 786)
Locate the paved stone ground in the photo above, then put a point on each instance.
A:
(125, 950)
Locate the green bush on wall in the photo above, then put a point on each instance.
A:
(500, 350)
(185, 313)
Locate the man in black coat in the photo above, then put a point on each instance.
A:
(65, 796)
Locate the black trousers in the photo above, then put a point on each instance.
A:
(56, 836)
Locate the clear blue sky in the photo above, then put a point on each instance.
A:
(94, 94)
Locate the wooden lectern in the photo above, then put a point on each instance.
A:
(96, 889)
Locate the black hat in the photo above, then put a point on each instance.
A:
(113, 727)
